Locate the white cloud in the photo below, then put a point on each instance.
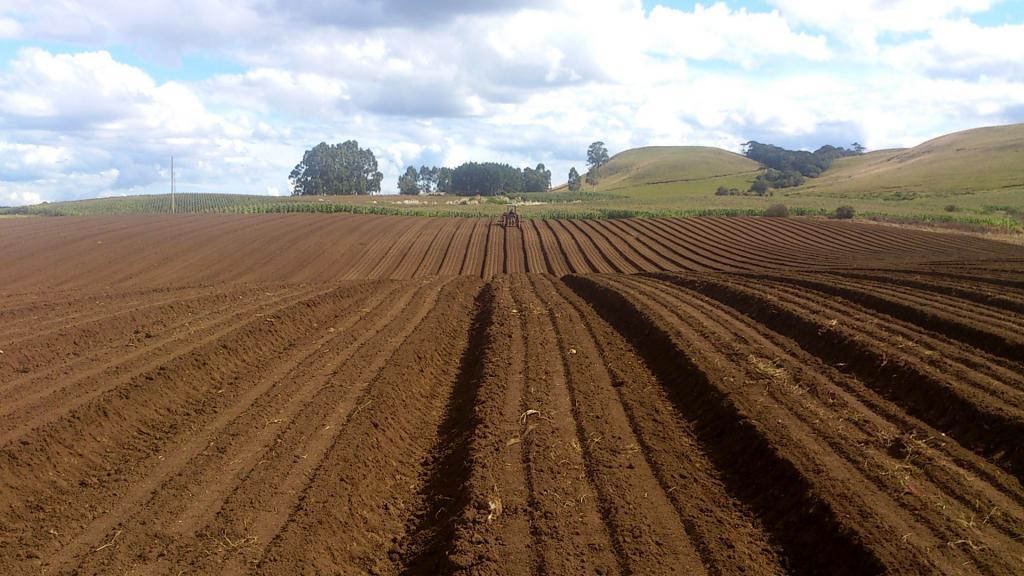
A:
(268, 90)
(962, 48)
(859, 23)
(438, 83)
(9, 28)
(735, 36)
(90, 91)
(67, 114)
(11, 197)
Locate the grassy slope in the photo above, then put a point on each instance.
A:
(976, 160)
(670, 164)
(979, 171)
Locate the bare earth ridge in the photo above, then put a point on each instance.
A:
(338, 394)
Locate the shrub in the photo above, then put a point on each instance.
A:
(844, 212)
(777, 211)
(951, 208)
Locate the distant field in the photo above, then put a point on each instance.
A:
(972, 179)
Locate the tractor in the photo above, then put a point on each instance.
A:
(510, 218)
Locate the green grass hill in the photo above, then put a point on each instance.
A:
(983, 159)
(654, 165)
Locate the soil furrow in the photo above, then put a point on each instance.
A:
(535, 258)
(134, 422)
(495, 257)
(430, 532)
(258, 506)
(37, 321)
(1005, 299)
(574, 536)
(597, 247)
(259, 503)
(515, 251)
(439, 247)
(966, 309)
(654, 259)
(644, 460)
(416, 255)
(47, 404)
(476, 250)
(685, 245)
(495, 533)
(455, 254)
(367, 472)
(944, 405)
(759, 239)
(814, 539)
(388, 265)
(891, 474)
(626, 252)
(33, 364)
(1000, 343)
(554, 256)
(152, 509)
(568, 247)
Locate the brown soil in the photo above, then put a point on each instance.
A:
(312, 394)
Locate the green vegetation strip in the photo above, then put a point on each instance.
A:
(561, 204)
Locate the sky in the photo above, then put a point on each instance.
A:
(95, 97)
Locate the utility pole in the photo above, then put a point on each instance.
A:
(172, 186)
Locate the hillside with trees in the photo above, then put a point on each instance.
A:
(965, 164)
(790, 168)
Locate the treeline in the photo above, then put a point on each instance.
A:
(474, 179)
(339, 169)
(788, 168)
(426, 180)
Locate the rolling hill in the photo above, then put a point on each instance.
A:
(973, 178)
(982, 159)
(654, 165)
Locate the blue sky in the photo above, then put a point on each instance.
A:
(95, 97)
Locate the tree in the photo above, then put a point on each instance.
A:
(336, 169)
(444, 180)
(536, 179)
(427, 179)
(857, 148)
(575, 182)
(597, 156)
(407, 182)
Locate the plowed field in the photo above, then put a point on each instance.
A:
(371, 395)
